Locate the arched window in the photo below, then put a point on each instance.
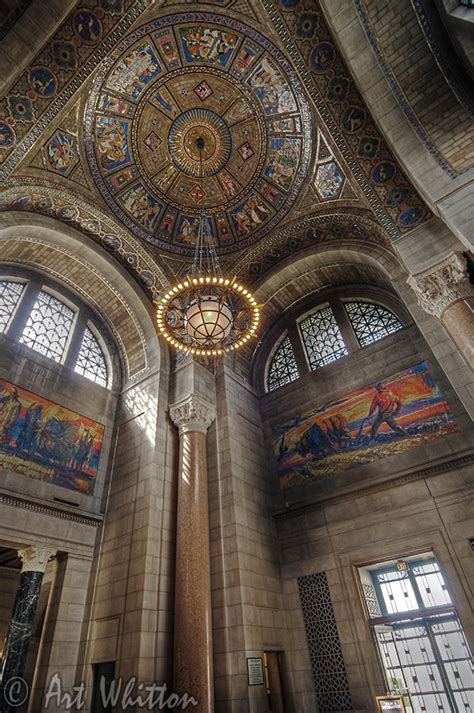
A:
(371, 322)
(91, 361)
(10, 295)
(283, 368)
(322, 338)
(48, 326)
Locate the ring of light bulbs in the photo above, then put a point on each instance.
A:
(189, 287)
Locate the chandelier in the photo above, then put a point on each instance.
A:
(207, 313)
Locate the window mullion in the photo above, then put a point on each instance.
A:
(439, 660)
(298, 348)
(20, 318)
(78, 330)
(345, 325)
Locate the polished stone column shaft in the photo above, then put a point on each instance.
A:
(34, 561)
(193, 665)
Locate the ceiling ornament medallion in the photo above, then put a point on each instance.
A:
(182, 77)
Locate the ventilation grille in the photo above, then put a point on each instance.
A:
(327, 663)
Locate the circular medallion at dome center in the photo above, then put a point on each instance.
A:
(191, 76)
(183, 137)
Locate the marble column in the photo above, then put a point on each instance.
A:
(443, 290)
(34, 561)
(193, 666)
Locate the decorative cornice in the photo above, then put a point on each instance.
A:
(192, 413)
(441, 284)
(35, 559)
(295, 509)
(14, 501)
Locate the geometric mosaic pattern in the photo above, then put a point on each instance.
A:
(327, 663)
(91, 361)
(371, 322)
(322, 338)
(10, 293)
(283, 368)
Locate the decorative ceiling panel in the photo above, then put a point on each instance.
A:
(194, 76)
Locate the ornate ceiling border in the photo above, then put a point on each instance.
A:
(40, 197)
(313, 37)
(310, 232)
(46, 105)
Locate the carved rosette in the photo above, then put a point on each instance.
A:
(192, 413)
(35, 559)
(441, 284)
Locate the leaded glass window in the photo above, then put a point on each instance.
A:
(283, 368)
(10, 295)
(322, 338)
(91, 360)
(422, 644)
(48, 326)
(371, 322)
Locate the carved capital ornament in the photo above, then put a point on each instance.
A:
(35, 559)
(441, 284)
(192, 413)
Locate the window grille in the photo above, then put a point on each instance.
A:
(10, 295)
(283, 368)
(322, 338)
(421, 642)
(91, 361)
(48, 326)
(371, 322)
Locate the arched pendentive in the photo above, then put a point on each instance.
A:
(62, 252)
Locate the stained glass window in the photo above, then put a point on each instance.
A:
(10, 294)
(91, 361)
(48, 326)
(322, 338)
(371, 322)
(421, 641)
(283, 368)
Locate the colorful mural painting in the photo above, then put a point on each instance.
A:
(363, 426)
(45, 441)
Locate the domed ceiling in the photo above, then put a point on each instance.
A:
(191, 76)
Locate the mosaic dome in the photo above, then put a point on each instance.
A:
(196, 76)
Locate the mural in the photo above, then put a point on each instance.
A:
(112, 142)
(363, 426)
(205, 44)
(45, 441)
(185, 76)
(61, 153)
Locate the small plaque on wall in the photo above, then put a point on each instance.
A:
(393, 704)
(255, 673)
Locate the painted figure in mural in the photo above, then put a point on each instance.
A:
(272, 90)
(81, 451)
(385, 407)
(283, 161)
(141, 205)
(62, 152)
(203, 44)
(134, 72)
(28, 437)
(112, 142)
(9, 409)
(56, 436)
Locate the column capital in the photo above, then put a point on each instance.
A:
(442, 283)
(192, 413)
(35, 559)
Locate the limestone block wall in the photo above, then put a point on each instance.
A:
(420, 500)
(248, 609)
